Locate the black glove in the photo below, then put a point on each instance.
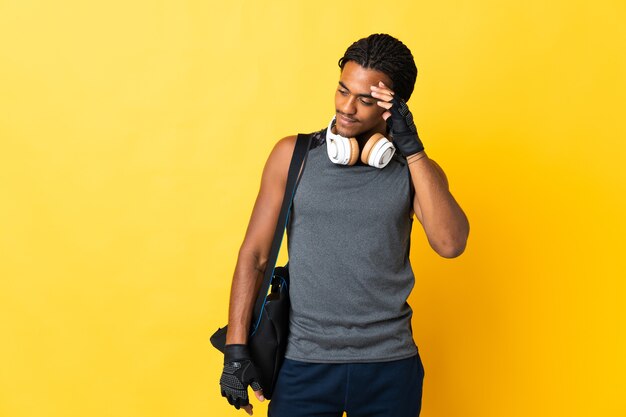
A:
(238, 373)
(403, 129)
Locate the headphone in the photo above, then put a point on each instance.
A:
(377, 151)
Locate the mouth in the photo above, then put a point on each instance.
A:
(345, 120)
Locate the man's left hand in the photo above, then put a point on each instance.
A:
(400, 119)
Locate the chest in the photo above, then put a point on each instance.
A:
(352, 193)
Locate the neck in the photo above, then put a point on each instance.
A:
(364, 137)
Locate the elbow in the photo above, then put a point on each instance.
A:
(451, 251)
(453, 247)
(253, 257)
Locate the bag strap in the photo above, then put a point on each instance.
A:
(298, 160)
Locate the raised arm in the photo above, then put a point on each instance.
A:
(444, 222)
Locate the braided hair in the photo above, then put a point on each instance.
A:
(388, 55)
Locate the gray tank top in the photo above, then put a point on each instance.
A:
(348, 237)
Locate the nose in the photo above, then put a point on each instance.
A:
(348, 106)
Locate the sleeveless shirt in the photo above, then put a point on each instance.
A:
(348, 238)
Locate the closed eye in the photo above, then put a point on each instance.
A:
(365, 99)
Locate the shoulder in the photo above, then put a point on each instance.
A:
(284, 147)
(282, 151)
(277, 164)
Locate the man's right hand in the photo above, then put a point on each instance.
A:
(238, 373)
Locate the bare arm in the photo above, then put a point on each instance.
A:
(444, 222)
(254, 251)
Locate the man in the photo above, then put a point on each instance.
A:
(350, 346)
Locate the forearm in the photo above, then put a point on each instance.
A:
(445, 223)
(247, 280)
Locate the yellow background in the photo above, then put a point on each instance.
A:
(133, 135)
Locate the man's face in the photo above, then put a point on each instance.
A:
(357, 111)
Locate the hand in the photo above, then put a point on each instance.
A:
(400, 120)
(238, 373)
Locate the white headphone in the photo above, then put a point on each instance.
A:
(377, 152)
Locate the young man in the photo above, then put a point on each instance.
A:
(350, 346)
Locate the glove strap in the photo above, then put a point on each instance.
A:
(236, 352)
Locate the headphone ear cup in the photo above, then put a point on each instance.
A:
(378, 151)
(341, 150)
(354, 151)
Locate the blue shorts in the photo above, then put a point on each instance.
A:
(372, 389)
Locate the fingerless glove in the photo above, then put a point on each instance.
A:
(403, 128)
(238, 373)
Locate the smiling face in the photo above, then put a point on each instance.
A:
(358, 115)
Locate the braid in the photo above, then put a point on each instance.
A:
(386, 54)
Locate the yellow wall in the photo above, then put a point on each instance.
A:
(133, 135)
